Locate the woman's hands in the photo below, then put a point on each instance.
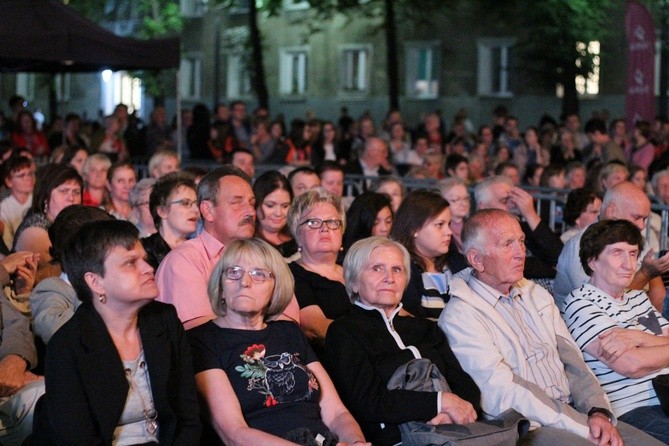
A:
(454, 410)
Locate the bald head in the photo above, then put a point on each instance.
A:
(626, 201)
(376, 152)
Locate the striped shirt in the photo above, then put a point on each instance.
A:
(590, 312)
(436, 292)
(545, 367)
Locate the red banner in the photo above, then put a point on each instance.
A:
(640, 95)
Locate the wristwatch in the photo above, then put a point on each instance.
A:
(607, 413)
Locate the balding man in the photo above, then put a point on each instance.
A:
(509, 337)
(623, 201)
(543, 245)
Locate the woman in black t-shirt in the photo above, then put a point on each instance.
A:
(260, 379)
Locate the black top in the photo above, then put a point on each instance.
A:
(314, 289)
(543, 249)
(362, 355)
(156, 249)
(266, 369)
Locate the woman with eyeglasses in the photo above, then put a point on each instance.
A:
(173, 206)
(260, 379)
(317, 222)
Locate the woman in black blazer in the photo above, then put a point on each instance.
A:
(120, 370)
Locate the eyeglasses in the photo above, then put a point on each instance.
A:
(257, 275)
(317, 223)
(185, 202)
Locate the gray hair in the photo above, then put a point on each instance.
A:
(304, 203)
(95, 158)
(447, 184)
(482, 190)
(359, 254)
(477, 227)
(383, 180)
(657, 177)
(158, 158)
(267, 257)
(209, 185)
(143, 185)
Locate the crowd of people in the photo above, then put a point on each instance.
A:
(320, 302)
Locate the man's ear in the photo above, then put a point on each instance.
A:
(207, 210)
(475, 259)
(610, 211)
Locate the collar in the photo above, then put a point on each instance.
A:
(212, 246)
(380, 311)
(490, 294)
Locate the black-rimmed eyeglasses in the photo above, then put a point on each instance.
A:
(317, 223)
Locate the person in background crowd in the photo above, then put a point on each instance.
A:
(459, 200)
(581, 210)
(332, 177)
(113, 145)
(576, 175)
(76, 157)
(172, 204)
(19, 178)
(611, 174)
(243, 160)
(642, 152)
(27, 135)
(158, 134)
(639, 177)
(95, 171)
(140, 215)
(303, 179)
(59, 187)
(70, 136)
(121, 178)
(273, 198)
(260, 379)
(457, 166)
(327, 147)
(509, 170)
(163, 162)
(391, 186)
(370, 215)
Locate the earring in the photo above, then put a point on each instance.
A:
(341, 249)
(415, 235)
(299, 249)
(102, 298)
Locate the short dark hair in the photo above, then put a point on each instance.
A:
(50, 177)
(603, 233)
(119, 165)
(267, 183)
(303, 169)
(209, 185)
(595, 125)
(499, 170)
(14, 164)
(163, 188)
(329, 165)
(68, 222)
(361, 216)
(453, 160)
(418, 207)
(90, 246)
(577, 202)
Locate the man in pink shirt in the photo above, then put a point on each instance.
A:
(227, 207)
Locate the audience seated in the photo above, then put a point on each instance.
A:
(121, 178)
(140, 215)
(258, 376)
(623, 338)
(370, 214)
(173, 207)
(95, 171)
(421, 225)
(19, 179)
(368, 345)
(581, 210)
(119, 370)
(53, 301)
(459, 200)
(509, 337)
(317, 222)
(624, 201)
(273, 197)
(393, 187)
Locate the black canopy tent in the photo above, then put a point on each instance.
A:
(48, 36)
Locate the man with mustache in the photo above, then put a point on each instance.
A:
(508, 335)
(227, 208)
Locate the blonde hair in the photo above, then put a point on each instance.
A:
(269, 258)
(304, 203)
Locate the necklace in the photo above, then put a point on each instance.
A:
(150, 412)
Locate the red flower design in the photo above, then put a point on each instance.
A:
(256, 351)
(270, 401)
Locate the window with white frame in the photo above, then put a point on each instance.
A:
(193, 8)
(422, 70)
(63, 87)
(293, 71)
(238, 80)
(190, 73)
(355, 69)
(494, 62)
(120, 88)
(25, 85)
